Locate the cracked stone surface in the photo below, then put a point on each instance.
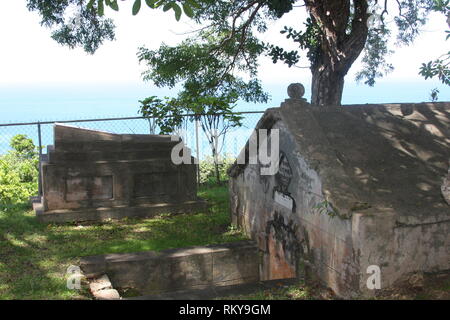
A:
(445, 188)
(100, 284)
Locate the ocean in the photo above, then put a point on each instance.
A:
(32, 103)
(29, 103)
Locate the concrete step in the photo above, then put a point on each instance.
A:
(170, 270)
(118, 212)
(110, 146)
(163, 154)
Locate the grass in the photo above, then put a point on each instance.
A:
(34, 257)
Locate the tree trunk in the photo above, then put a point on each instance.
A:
(327, 86)
(216, 164)
(338, 47)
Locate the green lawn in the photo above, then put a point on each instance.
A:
(34, 256)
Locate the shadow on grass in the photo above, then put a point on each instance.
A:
(27, 265)
(34, 257)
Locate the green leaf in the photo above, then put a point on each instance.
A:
(150, 3)
(113, 5)
(136, 7)
(193, 4)
(177, 10)
(101, 8)
(188, 10)
(90, 4)
(159, 3)
(168, 6)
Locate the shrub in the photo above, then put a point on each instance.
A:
(18, 172)
(23, 147)
(207, 170)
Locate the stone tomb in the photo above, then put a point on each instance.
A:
(92, 175)
(357, 198)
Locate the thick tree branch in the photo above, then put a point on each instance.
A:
(244, 31)
(338, 48)
(356, 40)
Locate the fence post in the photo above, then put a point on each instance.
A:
(40, 159)
(198, 151)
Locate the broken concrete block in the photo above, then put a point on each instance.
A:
(107, 294)
(100, 284)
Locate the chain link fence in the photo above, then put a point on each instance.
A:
(228, 148)
(42, 132)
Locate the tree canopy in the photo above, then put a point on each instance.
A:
(221, 57)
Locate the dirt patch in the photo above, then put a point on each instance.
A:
(129, 292)
(419, 286)
(312, 290)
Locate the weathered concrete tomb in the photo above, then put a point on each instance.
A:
(93, 175)
(357, 191)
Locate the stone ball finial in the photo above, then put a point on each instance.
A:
(295, 91)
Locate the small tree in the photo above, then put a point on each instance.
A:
(18, 172)
(23, 146)
(216, 118)
(161, 114)
(214, 113)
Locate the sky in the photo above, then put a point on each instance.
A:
(29, 57)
